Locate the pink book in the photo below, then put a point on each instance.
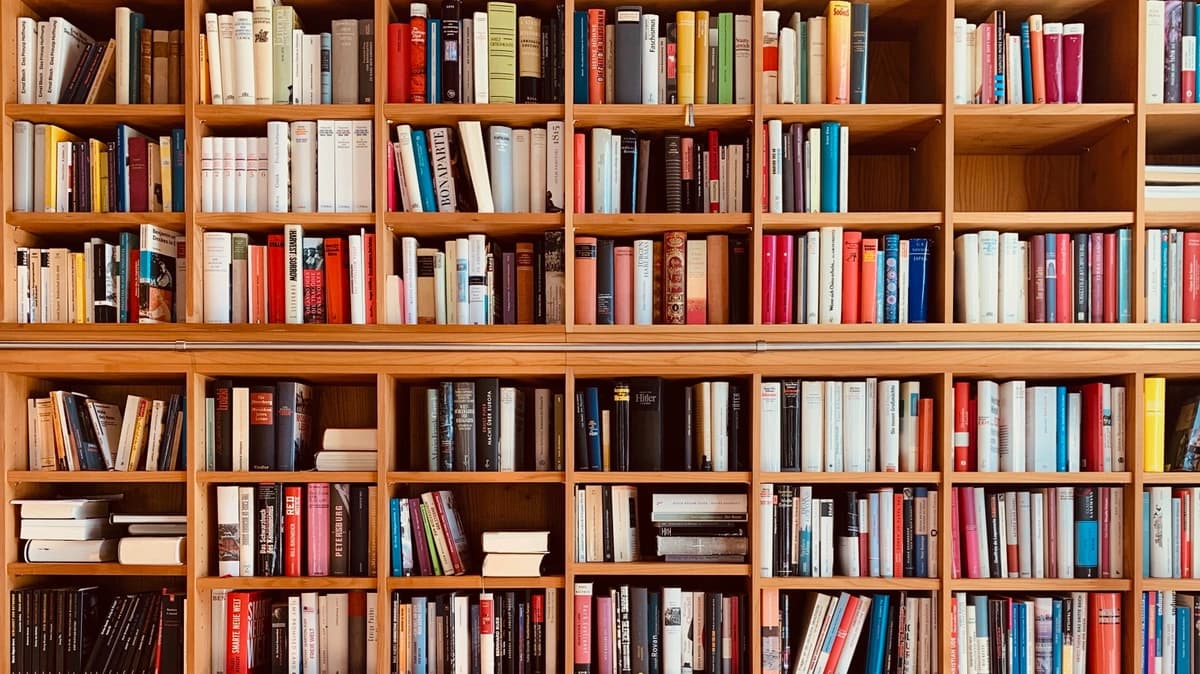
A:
(1037, 278)
(768, 278)
(970, 530)
(1096, 269)
(623, 285)
(393, 199)
(955, 544)
(784, 271)
(1072, 63)
(987, 35)
(604, 644)
(317, 528)
(1053, 58)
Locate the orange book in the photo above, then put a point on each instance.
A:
(866, 284)
(1037, 58)
(702, 65)
(585, 280)
(851, 242)
(674, 277)
(623, 285)
(205, 87)
(580, 177)
(337, 285)
(525, 283)
(842, 629)
(925, 434)
(1104, 633)
(718, 279)
(596, 62)
(416, 58)
(697, 283)
(837, 52)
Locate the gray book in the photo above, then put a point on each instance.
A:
(345, 61)
(500, 160)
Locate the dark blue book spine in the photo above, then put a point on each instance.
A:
(433, 61)
(581, 57)
(1060, 447)
(592, 407)
(128, 242)
(424, 172)
(122, 146)
(921, 541)
(1051, 279)
(177, 170)
(918, 280)
(397, 533)
(891, 278)
(137, 21)
(879, 620)
(831, 143)
(1026, 65)
(1056, 652)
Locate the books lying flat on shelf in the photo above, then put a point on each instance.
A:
(819, 60)
(317, 529)
(71, 530)
(606, 523)
(886, 533)
(1172, 276)
(263, 56)
(514, 553)
(428, 537)
(152, 550)
(322, 166)
(1170, 58)
(348, 449)
(258, 427)
(1041, 63)
(808, 170)
(70, 431)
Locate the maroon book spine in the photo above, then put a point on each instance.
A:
(1037, 278)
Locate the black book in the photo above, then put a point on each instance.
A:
(268, 518)
(699, 145)
(581, 448)
(262, 428)
(168, 454)
(501, 638)
(487, 427)
(446, 426)
(77, 75)
(83, 432)
(713, 622)
(653, 631)
(893, 621)
(689, 427)
(475, 630)
(360, 517)
(790, 442)
(672, 88)
(451, 91)
(737, 453)
(366, 61)
(739, 276)
(785, 632)
(539, 282)
(293, 427)
(524, 632)
(105, 307)
(620, 427)
(629, 171)
(604, 282)
(672, 172)
(627, 50)
(510, 632)
(93, 653)
(639, 628)
(546, 61)
(529, 59)
(464, 425)
(111, 148)
(606, 521)
(998, 631)
(789, 172)
(849, 535)
(172, 637)
(339, 529)
(645, 450)
(558, 37)
(785, 495)
(279, 637)
(993, 534)
(508, 271)
(1083, 279)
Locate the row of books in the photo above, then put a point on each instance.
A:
(79, 629)
(887, 533)
(512, 631)
(1170, 541)
(644, 57)
(82, 530)
(290, 278)
(263, 56)
(477, 281)
(1172, 188)
(900, 631)
(259, 426)
(808, 170)
(1054, 532)
(676, 281)
(1183, 452)
(1013, 426)
(629, 433)
(688, 527)
(1050, 277)
(255, 631)
(55, 171)
(1059, 634)
(492, 56)
(852, 426)
(837, 276)
(1170, 52)
(72, 431)
(316, 529)
(428, 537)
(321, 166)
(1168, 639)
(485, 425)
(1172, 276)
(1041, 64)
(663, 629)
(819, 60)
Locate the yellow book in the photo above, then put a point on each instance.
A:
(205, 89)
(96, 150)
(700, 76)
(837, 52)
(685, 58)
(164, 158)
(51, 136)
(1154, 423)
(78, 283)
(102, 177)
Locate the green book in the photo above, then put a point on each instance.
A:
(502, 52)
(283, 21)
(433, 552)
(725, 57)
(802, 61)
(137, 21)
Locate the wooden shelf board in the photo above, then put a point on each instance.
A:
(797, 477)
(659, 569)
(874, 127)
(1170, 127)
(98, 117)
(664, 477)
(882, 221)
(1044, 129)
(849, 584)
(1172, 478)
(471, 582)
(308, 583)
(654, 224)
(273, 222)
(1041, 584)
(976, 478)
(442, 114)
(166, 335)
(428, 227)
(476, 477)
(1063, 9)
(1041, 221)
(1171, 584)
(96, 476)
(296, 477)
(86, 225)
(225, 116)
(94, 569)
(664, 117)
(1172, 219)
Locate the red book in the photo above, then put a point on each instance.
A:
(955, 547)
(962, 426)
(674, 277)
(972, 434)
(1037, 278)
(393, 195)
(317, 530)
(596, 62)
(399, 74)
(1053, 58)
(1072, 63)
(292, 502)
(623, 285)
(580, 173)
(247, 620)
(841, 630)
(138, 176)
(583, 626)
(1104, 633)
(1185, 529)
(443, 510)
(1191, 277)
(1064, 302)
(784, 281)
(851, 245)
(925, 434)
(131, 285)
(1091, 449)
(416, 59)
(987, 35)
(337, 285)
(768, 278)
(369, 275)
(487, 616)
(867, 282)
(1096, 288)
(1110, 278)
(275, 313)
(604, 634)
(714, 171)
(897, 541)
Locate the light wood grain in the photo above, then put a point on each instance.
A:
(851, 584)
(290, 477)
(1040, 478)
(480, 477)
(306, 583)
(985, 129)
(94, 569)
(92, 477)
(471, 582)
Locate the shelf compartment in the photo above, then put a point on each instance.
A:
(285, 476)
(87, 224)
(872, 478)
(476, 477)
(226, 116)
(94, 569)
(1171, 127)
(850, 584)
(889, 221)
(662, 117)
(659, 569)
(972, 478)
(693, 477)
(1041, 221)
(871, 125)
(441, 225)
(1045, 128)
(442, 114)
(472, 582)
(274, 222)
(94, 476)
(1040, 584)
(306, 583)
(651, 224)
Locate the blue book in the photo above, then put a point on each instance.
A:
(397, 534)
(1060, 445)
(581, 57)
(920, 541)
(433, 61)
(178, 165)
(137, 21)
(1056, 647)
(1183, 640)
(878, 634)
(1019, 618)
(831, 633)
(1165, 283)
(918, 279)
(1145, 536)
(500, 154)
(420, 637)
(1026, 65)
(981, 616)
(128, 241)
(805, 547)
(831, 149)
(1087, 533)
(879, 294)
(1124, 315)
(891, 278)
(326, 68)
(424, 171)
(1158, 624)
(1051, 279)
(1147, 611)
(591, 405)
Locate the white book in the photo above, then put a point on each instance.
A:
(775, 165)
(325, 166)
(23, 174)
(278, 159)
(1153, 265)
(834, 460)
(243, 58)
(743, 38)
(309, 628)
(228, 525)
(66, 46)
(362, 175)
(263, 50)
(1011, 277)
(467, 66)
(479, 24)
(240, 411)
(520, 170)
(218, 261)
(910, 399)
(989, 276)
(304, 166)
(643, 282)
(672, 630)
(471, 136)
(343, 172)
(227, 160)
(987, 425)
(812, 426)
(601, 172)
(770, 397)
(27, 51)
(719, 406)
(476, 266)
(1161, 534)
(812, 276)
(1066, 523)
(310, 69)
(770, 37)
(217, 617)
(554, 163)
(889, 425)
(408, 266)
(613, 194)
(298, 72)
(537, 170)
(294, 634)
(966, 273)
(812, 169)
(242, 183)
(962, 64)
(816, 59)
(650, 58)
(293, 283)
(844, 189)
(787, 65)
(264, 174)
(854, 426)
(1014, 86)
(831, 275)
(1041, 437)
(411, 189)
(1155, 27)
(1037, 544)
(1074, 422)
(358, 309)
(1011, 426)
(212, 34)
(462, 289)
(1024, 535)
(439, 289)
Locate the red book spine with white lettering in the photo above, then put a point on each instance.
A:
(1104, 633)
(292, 502)
(131, 283)
(1096, 261)
(580, 173)
(596, 62)
(898, 534)
(583, 628)
(1185, 532)
(962, 426)
(399, 75)
(237, 632)
(1064, 302)
(768, 278)
(416, 59)
(867, 284)
(369, 275)
(337, 285)
(1092, 437)
(851, 247)
(986, 33)
(784, 281)
(840, 632)
(955, 545)
(1191, 277)
(275, 278)
(714, 171)
(1110, 278)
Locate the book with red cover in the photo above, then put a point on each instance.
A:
(1037, 279)
(674, 277)
(1110, 277)
(1191, 277)
(247, 622)
(317, 529)
(1096, 288)
(1104, 633)
(962, 423)
(580, 157)
(623, 285)
(972, 434)
(925, 434)
(851, 245)
(867, 283)
(293, 501)
(1066, 269)
(138, 175)
(399, 75)
(337, 285)
(443, 504)
(714, 171)
(1053, 58)
(313, 278)
(369, 287)
(784, 281)
(842, 629)
(1072, 66)
(585, 280)
(524, 282)
(897, 541)
(596, 63)
(416, 59)
(275, 309)
(768, 278)
(420, 544)
(131, 284)
(604, 633)
(583, 629)
(1185, 532)
(1091, 440)
(986, 34)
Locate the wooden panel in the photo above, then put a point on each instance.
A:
(1016, 182)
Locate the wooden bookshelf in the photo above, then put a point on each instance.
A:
(919, 163)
